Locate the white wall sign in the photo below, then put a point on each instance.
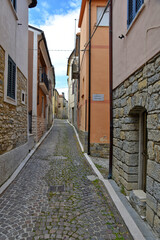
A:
(98, 97)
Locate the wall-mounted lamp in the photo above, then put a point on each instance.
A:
(121, 36)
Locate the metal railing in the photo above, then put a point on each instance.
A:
(45, 80)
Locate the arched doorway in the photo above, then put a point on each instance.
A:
(141, 113)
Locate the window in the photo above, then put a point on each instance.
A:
(105, 20)
(72, 87)
(14, 3)
(23, 97)
(133, 8)
(42, 106)
(11, 78)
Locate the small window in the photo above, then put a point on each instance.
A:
(23, 97)
(105, 20)
(73, 88)
(133, 8)
(11, 87)
(14, 3)
(42, 106)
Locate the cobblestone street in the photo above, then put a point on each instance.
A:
(55, 197)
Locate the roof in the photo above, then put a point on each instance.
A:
(44, 39)
(33, 4)
(81, 12)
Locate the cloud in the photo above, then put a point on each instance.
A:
(74, 3)
(58, 25)
(45, 5)
(60, 35)
(65, 90)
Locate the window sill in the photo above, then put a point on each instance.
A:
(13, 10)
(135, 19)
(10, 101)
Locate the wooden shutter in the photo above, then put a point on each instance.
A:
(11, 78)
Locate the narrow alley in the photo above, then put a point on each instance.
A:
(53, 198)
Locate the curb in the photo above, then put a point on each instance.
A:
(23, 163)
(129, 221)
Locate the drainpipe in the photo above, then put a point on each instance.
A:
(111, 84)
(38, 69)
(89, 93)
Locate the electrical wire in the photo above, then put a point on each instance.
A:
(53, 50)
(86, 45)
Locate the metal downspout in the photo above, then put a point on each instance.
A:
(89, 93)
(111, 86)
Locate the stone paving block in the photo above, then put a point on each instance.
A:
(52, 198)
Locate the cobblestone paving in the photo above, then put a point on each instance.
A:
(53, 198)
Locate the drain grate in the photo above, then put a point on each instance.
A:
(60, 188)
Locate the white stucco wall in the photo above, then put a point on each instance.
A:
(70, 95)
(140, 42)
(14, 36)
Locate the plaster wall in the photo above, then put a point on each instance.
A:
(141, 40)
(100, 117)
(18, 47)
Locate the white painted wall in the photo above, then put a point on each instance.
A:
(70, 95)
(14, 37)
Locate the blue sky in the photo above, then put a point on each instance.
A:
(57, 19)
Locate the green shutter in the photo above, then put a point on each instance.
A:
(11, 86)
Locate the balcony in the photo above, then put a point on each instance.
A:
(44, 83)
(75, 69)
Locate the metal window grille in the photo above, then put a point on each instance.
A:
(14, 3)
(133, 8)
(139, 4)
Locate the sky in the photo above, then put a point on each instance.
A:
(57, 19)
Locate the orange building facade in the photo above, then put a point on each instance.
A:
(94, 124)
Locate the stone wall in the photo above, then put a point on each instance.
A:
(139, 91)
(41, 127)
(13, 123)
(99, 150)
(13, 119)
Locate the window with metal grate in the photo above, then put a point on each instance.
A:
(14, 3)
(11, 86)
(133, 8)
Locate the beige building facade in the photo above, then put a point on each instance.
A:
(62, 107)
(136, 104)
(55, 103)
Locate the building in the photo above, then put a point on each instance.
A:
(73, 75)
(14, 140)
(62, 107)
(70, 81)
(93, 88)
(55, 103)
(136, 104)
(41, 82)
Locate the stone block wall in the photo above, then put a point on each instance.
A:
(13, 125)
(41, 127)
(141, 90)
(99, 150)
(13, 119)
